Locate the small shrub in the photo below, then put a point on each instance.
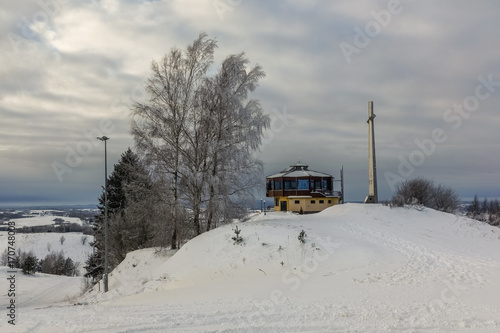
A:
(302, 236)
(87, 284)
(62, 239)
(84, 239)
(301, 211)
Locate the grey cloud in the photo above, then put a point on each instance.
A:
(92, 59)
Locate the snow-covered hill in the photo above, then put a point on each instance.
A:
(362, 268)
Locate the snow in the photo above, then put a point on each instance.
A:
(35, 221)
(44, 243)
(362, 268)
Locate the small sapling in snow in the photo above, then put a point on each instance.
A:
(302, 236)
(237, 238)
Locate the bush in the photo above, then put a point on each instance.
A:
(55, 263)
(27, 261)
(302, 236)
(423, 192)
(30, 265)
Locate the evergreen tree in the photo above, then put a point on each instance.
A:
(30, 264)
(69, 267)
(130, 197)
(474, 208)
(485, 207)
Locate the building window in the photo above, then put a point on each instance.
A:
(290, 185)
(322, 201)
(303, 184)
(329, 201)
(277, 185)
(313, 201)
(277, 202)
(297, 202)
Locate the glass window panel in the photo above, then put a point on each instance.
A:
(303, 184)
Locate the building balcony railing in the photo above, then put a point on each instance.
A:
(313, 193)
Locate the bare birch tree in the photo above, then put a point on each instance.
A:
(199, 134)
(237, 124)
(158, 126)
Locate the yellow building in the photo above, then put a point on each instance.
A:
(299, 189)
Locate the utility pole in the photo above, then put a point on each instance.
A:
(342, 185)
(106, 260)
(372, 164)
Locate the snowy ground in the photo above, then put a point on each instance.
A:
(362, 268)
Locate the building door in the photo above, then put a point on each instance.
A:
(283, 206)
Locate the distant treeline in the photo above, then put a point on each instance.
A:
(487, 211)
(11, 215)
(61, 228)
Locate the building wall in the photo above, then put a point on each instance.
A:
(278, 201)
(308, 205)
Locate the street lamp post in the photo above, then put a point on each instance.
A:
(105, 138)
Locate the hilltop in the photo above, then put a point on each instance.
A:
(360, 268)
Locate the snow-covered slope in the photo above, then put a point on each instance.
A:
(361, 268)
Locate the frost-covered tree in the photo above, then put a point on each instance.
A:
(159, 125)
(445, 199)
(199, 134)
(417, 191)
(236, 125)
(421, 191)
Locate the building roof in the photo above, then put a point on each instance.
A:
(299, 170)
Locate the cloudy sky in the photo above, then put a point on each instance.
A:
(69, 71)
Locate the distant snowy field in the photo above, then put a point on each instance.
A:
(35, 221)
(362, 268)
(43, 243)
